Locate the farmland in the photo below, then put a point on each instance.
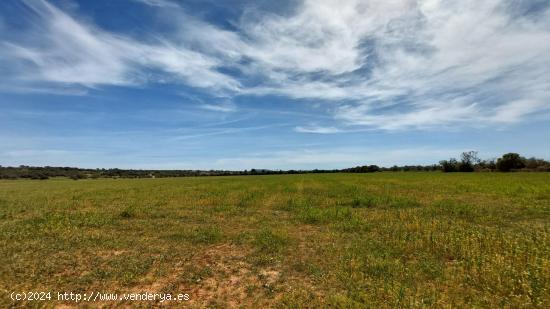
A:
(342, 240)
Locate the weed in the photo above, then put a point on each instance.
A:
(205, 235)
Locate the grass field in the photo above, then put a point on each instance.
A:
(342, 240)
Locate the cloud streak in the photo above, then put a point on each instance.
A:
(65, 51)
(223, 108)
(158, 3)
(317, 130)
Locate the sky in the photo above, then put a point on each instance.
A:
(206, 84)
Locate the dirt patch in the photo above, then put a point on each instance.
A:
(232, 281)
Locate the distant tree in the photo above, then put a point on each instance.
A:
(373, 168)
(449, 166)
(363, 169)
(77, 176)
(510, 161)
(543, 168)
(535, 164)
(487, 165)
(468, 161)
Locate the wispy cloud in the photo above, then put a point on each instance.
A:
(67, 51)
(416, 64)
(224, 108)
(158, 3)
(223, 131)
(388, 65)
(317, 130)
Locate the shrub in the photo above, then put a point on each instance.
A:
(363, 202)
(510, 161)
(267, 241)
(206, 235)
(126, 214)
(77, 176)
(487, 165)
(449, 166)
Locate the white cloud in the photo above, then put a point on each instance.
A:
(158, 3)
(67, 51)
(427, 63)
(381, 64)
(317, 129)
(224, 108)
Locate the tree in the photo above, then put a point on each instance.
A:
(535, 164)
(373, 168)
(487, 165)
(467, 162)
(449, 166)
(510, 161)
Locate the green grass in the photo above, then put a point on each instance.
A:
(340, 240)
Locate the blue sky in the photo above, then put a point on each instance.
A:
(271, 84)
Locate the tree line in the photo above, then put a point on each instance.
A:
(509, 162)
(469, 162)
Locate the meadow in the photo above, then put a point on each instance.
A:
(378, 240)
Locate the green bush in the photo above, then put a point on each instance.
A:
(510, 161)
